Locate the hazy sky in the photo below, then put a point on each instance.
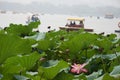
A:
(92, 3)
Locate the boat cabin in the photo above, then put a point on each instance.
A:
(75, 22)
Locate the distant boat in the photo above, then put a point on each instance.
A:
(109, 16)
(33, 18)
(3, 12)
(72, 25)
(98, 17)
(118, 31)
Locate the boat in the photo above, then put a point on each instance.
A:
(33, 18)
(75, 24)
(109, 16)
(118, 31)
(2, 12)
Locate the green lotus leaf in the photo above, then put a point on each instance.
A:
(118, 49)
(8, 77)
(94, 75)
(22, 30)
(64, 76)
(111, 56)
(104, 44)
(78, 46)
(34, 24)
(112, 37)
(51, 71)
(11, 45)
(106, 76)
(19, 77)
(116, 76)
(26, 62)
(116, 70)
(44, 44)
(37, 36)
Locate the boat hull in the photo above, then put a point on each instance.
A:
(75, 29)
(117, 31)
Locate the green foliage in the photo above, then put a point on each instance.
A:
(116, 70)
(104, 45)
(107, 76)
(11, 45)
(29, 55)
(44, 45)
(64, 76)
(50, 72)
(22, 30)
(26, 62)
(79, 46)
(94, 75)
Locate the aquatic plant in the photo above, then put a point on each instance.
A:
(26, 54)
(78, 68)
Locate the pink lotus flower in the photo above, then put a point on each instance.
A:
(78, 68)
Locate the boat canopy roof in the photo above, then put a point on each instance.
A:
(75, 19)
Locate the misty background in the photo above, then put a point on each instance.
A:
(67, 8)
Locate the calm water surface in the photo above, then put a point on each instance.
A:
(55, 21)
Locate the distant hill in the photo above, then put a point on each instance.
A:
(79, 10)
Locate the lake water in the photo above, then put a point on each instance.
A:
(55, 21)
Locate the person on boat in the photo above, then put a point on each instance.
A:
(34, 18)
(71, 24)
(81, 24)
(74, 23)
